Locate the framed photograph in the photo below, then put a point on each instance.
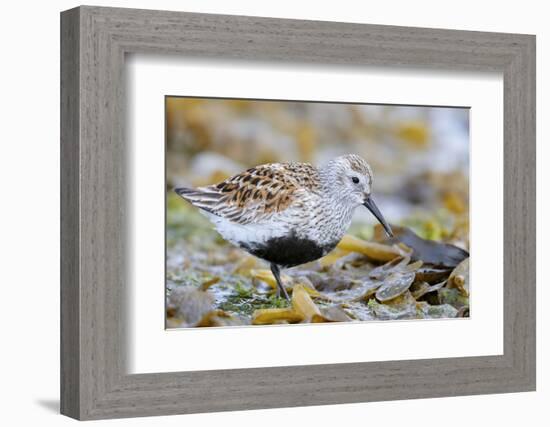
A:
(277, 213)
(245, 166)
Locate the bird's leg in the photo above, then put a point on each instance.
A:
(277, 273)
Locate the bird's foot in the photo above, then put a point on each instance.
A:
(280, 287)
(284, 292)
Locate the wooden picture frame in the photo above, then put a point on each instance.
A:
(94, 41)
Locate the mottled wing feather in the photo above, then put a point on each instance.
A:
(258, 193)
(201, 197)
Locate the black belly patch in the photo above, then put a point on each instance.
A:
(289, 251)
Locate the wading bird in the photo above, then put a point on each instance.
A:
(288, 213)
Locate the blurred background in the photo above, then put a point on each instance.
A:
(419, 155)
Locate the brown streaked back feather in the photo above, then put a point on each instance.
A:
(257, 193)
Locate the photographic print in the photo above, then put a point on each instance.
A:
(290, 212)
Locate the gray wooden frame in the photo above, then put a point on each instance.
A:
(94, 41)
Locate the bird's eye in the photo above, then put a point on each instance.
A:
(355, 180)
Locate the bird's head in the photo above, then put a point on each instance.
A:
(349, 178)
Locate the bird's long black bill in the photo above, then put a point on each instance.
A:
(371, 206)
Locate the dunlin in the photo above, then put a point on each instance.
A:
(288, 213)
